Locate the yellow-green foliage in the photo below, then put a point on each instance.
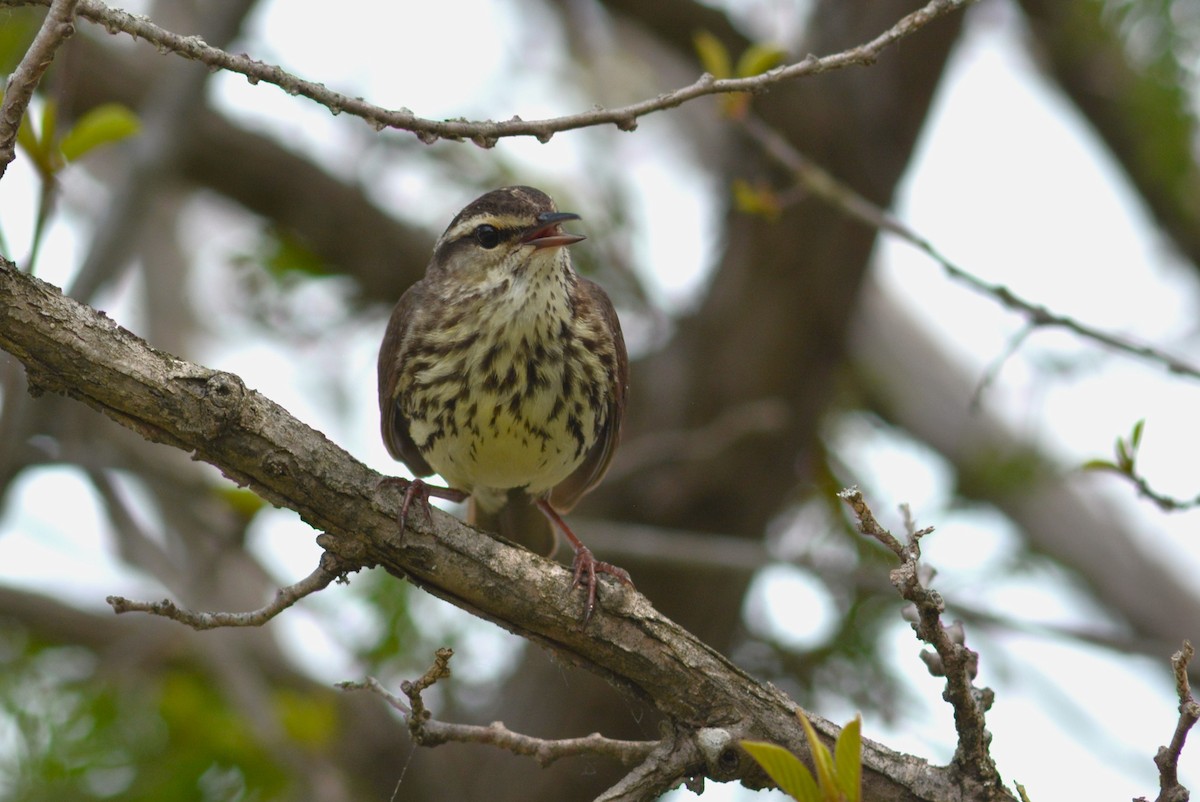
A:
(839, 775)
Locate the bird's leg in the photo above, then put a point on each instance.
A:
(585, 565)
(419, 491)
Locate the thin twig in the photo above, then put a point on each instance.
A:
(375, 686)
(486, 133)
(992, 371)
(822, 184)
(1125, 465)
(1163, 501)
(950, 658)
(428, 731)
(18, 92)
(1167, 758)
(325, 573)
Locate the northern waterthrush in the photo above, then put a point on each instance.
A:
(505, 372)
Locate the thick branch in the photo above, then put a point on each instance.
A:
(72, 349)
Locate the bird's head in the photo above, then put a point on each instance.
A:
(507, 234)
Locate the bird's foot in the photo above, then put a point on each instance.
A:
(585, 566)
(418, 491)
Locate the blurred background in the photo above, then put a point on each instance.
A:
(779, 354)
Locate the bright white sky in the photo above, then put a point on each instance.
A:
(1008, 183)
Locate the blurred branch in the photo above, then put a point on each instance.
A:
(704, 443)
(1167, 759)
(333, 217)
(840, 195)
(487, 133)
(684, 550)
(135, 651)
(675, 549)
(1125, 464)
(953, 660)
(134, 544)
(56, 29)
(1161, 500)
(70, 348)
(169, 114)
(1136, 92)
(913, 381)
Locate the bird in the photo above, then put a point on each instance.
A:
(505, 372)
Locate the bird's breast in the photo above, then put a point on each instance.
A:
(506, 393)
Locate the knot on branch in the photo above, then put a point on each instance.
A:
(722, 757)
(223, 395)
(278, 464)
(225, 391)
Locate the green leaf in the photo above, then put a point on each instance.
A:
(1100, 465)
(244, 503)
(713, 55)
(1124, 458)
(396, 634)
(284, 253)
(103, 125)
(822, 760)
(785, 769)
(26, 136)
(1135, 438)
(34, 146)
(16, 34)
(848, 760)
(49, 124)
(310, 719)
(758, 58)
(760, 201)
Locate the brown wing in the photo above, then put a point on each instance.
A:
(392, 353)
(567, 493)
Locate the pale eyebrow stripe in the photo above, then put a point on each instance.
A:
(505, 222)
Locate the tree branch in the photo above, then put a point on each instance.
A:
(56, 29)
(838, 194)
(487, 133)
(72, 349)
(951, 658)
(428, 731)
(657, 766)
(285, 597)
(1167, 759)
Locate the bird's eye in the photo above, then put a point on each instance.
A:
(487, 236)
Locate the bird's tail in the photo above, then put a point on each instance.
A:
(518, 519)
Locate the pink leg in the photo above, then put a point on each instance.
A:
(419, 491)
(585, 564)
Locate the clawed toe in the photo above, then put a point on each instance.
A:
(419, 492)
(586, 567)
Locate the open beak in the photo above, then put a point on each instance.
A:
(549, 234)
